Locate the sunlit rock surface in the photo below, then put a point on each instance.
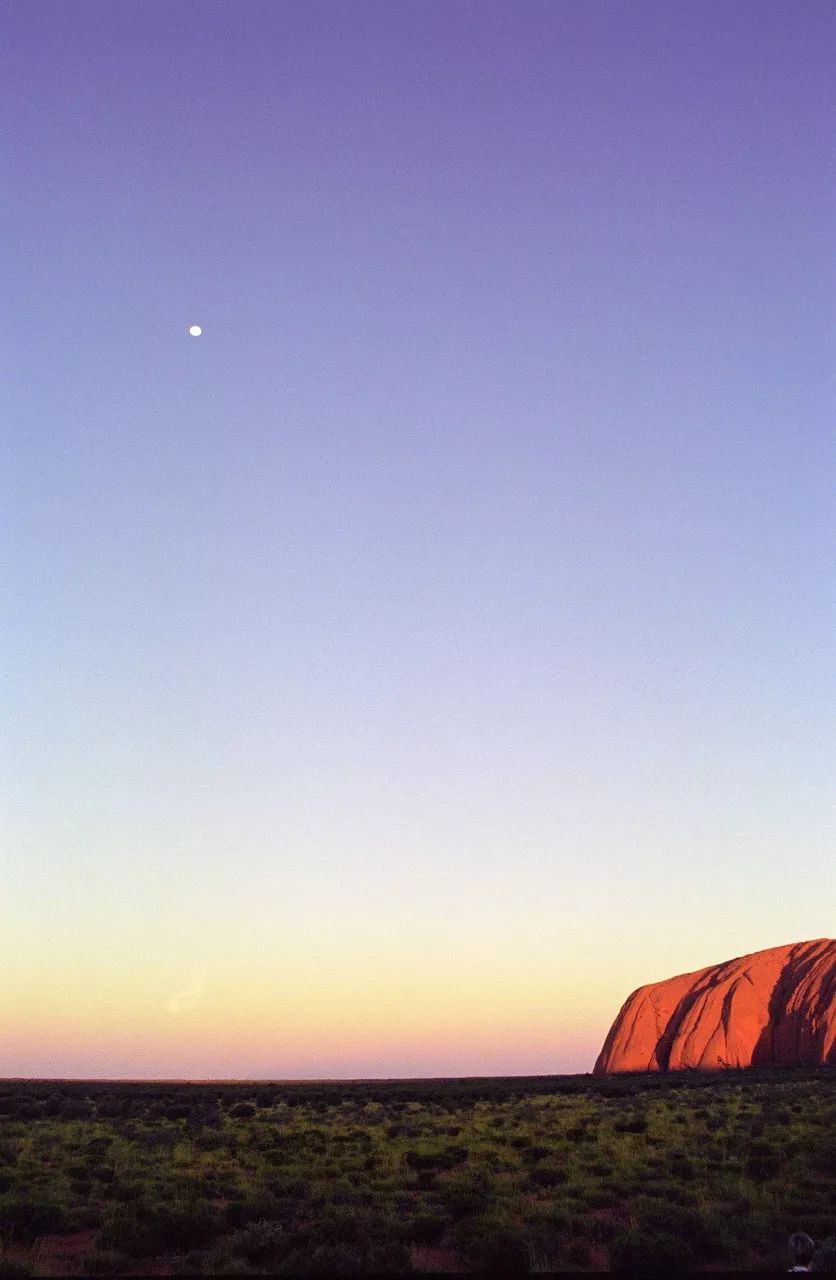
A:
(774, 1007)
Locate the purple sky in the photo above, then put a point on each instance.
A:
(480, 549)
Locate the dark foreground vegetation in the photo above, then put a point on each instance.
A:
(649, 1174)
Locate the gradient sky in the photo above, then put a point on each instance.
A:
(439, 647)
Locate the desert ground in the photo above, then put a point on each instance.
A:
(651, 1173)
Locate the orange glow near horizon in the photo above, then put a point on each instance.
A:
(354, 997)
(214, 1027)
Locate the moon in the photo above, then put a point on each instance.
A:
(195, 330)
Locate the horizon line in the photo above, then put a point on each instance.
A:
(276, 1080)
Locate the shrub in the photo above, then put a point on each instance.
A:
(601, 1198)
(445, 1158)
(824, 1258)
(546, 1175)
(682, 1167)
(127, 1192)
(465, 1194)
(258, 1241)
(242, 1111)
(549, 1220)
(547, 1228)
(75, 1109)
(424, 1228)
(13, 1269)
(493, 1246)
(126, 1231)
(183, 1227)
(288, 1184)
(98, 1145)
(577, 1252)
(632, 1125)
(708, 1232)
(650, 1253)
(343, 1225)
(105, 1262)
(762, 1161)
(26, 1218)
(243, 1209)
(327, 1260)
(386, 1257)
(533, 1152)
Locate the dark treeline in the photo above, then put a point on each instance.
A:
(173, 1100)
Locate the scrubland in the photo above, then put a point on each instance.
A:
(641, 1173)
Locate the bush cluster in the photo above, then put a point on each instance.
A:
(644, 1174)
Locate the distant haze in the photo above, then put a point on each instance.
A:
(440, 647)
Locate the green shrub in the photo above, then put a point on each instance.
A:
(443, 1158)
(243, 1209)
(125, 1230)
(762, 1160)
(465, 1194)
(258, 1241)
(577, 1253)
(288, 1184)
(183, 1227)
(519, 1141)
(242, 1111)
(343, 1224)
(708, 1232)
(98, 1145)
(601, 1198)
(650, 1253)
(386, 1257)
(824, 1258)
(326, 1260)
(127, 1192)
(549, 1220)
(75, 1109)
(534, 1152)
(682, 1166)
(633, 1124)
(493, 1246)
(27, 1217)
(424, 1228)
(13, 1269)
(105, 1262)
(546, 1175)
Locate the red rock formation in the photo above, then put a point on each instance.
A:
(774, 1007)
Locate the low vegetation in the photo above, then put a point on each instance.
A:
(649, 1174)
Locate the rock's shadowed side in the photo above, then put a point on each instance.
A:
(775, 1007)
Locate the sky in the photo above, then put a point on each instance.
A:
(440, 646)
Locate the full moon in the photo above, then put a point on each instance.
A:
(195, 330)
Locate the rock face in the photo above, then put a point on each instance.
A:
(775, 1007)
